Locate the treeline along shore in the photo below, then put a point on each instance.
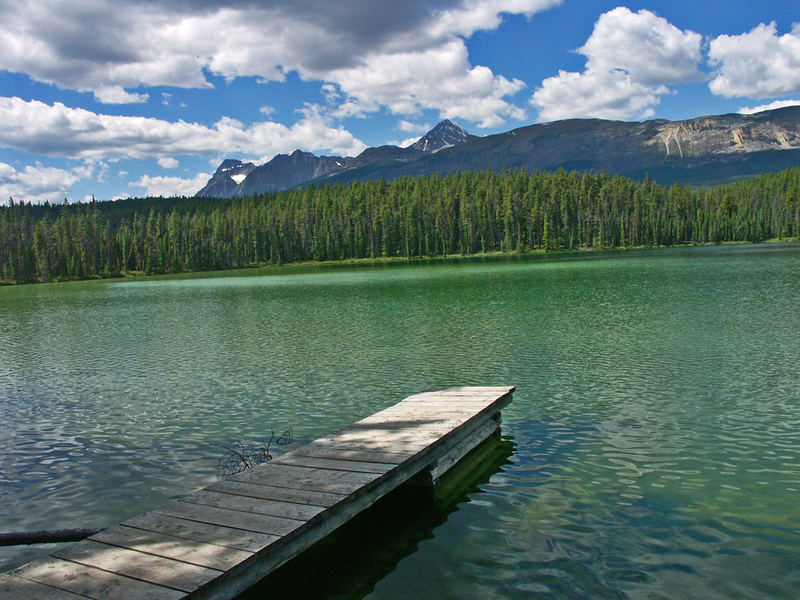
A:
(459, 214)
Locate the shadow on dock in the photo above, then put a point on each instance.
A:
(347, 564)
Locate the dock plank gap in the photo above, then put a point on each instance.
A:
(217, 542)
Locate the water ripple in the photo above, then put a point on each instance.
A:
(656, 422)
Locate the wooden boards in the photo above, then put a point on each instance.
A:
(216, 542)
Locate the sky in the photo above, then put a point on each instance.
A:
(126, 98)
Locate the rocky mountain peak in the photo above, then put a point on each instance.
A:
(444, 134)
(232, 166)
(229, 174)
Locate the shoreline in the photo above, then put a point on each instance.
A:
(377, 261)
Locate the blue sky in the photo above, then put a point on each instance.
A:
(112, 99)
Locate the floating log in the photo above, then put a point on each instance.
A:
(44, 536)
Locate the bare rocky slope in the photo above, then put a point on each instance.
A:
(700, 152)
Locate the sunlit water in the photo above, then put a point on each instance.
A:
(656, 423)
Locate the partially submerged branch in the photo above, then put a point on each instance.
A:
(240, 457)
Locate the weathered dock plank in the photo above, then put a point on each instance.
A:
(216, 542)
(337, 464)
(206, 533)
(91, 582)
(230, 518)
(153, 569)
(355, 452)
(270, 492)
(304, 478)
(273, 508)
(14, 588)
(197, 553)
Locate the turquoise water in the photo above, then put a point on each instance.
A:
(655, 428)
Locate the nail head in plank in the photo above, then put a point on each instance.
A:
(274, 508)
(230, 518)
(376, 435)
(320, 480)
(269, 492)
(419, 410)
(15, 588)
(333, 463)
(138, 565)
(450, 399)
(167, 546)
(409, 422)
(372, 432)
(236, 539)
(396, 445)
(347, 453)
(92, 582)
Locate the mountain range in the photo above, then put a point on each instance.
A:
(699, 152)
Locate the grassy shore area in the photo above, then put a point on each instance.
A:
(384, 261)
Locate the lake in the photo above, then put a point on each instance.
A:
(652, 449)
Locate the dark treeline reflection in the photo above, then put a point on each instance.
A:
(463, 213)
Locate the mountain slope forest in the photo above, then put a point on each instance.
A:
(458, 214)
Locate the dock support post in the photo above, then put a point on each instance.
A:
(430, 475)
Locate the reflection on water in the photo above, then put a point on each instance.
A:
(347, 564)
(656, 417)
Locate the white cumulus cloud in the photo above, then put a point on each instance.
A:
(35, 183)
(749, 110)
(168, 162)
(408, 141)
(347, 44)
(117, 95)
(410, 127)
(596, 94)
(470, 16)
(439, 78)
(647, 47)
(631, 59)
(171, 186)
(403, 143)
(757, 64)
(58, 130)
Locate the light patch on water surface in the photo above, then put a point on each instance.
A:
(655, 418)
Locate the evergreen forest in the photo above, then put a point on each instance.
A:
(458, 214)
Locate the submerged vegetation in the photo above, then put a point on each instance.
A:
(241, 457)
(464, 213)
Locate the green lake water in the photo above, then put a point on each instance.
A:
(652, 449)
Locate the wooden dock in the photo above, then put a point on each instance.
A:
(217, 542)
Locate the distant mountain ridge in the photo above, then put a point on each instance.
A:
(235, 178)
(702, 151)
(285, 171)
